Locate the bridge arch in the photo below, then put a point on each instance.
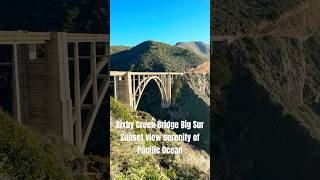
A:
(138, 92)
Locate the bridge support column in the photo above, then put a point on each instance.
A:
(124, 89)
(59, 110)
(166, 100)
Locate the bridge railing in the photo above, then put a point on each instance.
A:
(26, 37)
(121, 73)
(23, 37)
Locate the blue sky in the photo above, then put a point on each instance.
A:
(169, 21)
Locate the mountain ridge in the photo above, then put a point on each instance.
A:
(199, 47)
(155, 56)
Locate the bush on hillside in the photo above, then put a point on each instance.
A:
(24, 156)
(176, 89)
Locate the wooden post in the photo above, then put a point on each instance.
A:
(139, 80)
(16, 83)
(115, 78)
(134, 90)
(77, 96)
(93, 60)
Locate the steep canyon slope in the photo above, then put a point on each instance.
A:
(260, 17)
(267, 109)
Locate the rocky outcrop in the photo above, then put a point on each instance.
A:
(203, 68)
(267, 120)
(200, 84)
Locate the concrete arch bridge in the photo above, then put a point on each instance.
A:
(128, 87)
(59, 80)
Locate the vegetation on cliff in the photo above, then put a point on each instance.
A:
(302, 20)
(231, 17)
(266, 116)
(126, 164)
(25, 154)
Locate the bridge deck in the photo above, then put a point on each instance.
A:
(121, 73)
(25, 37)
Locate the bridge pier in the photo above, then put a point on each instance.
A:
(124, 89)
(166, 101)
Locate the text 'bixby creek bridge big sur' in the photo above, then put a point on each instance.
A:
(160, 137)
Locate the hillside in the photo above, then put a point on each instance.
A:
(25, 154)
(302, 20)
(125, 164)
(198, 47)
(155, 56)
(234, 17)
(202, 68)
(117, 49)
(267, 109)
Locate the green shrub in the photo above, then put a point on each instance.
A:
(24, 156)
(171, 173)
(176, 89)
(221, 75)
(118, 110)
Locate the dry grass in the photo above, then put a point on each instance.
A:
(300, 21)
(202, 68)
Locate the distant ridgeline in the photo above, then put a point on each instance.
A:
(155, 56)
(87, 16)
(198, 47)
(116, 49)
